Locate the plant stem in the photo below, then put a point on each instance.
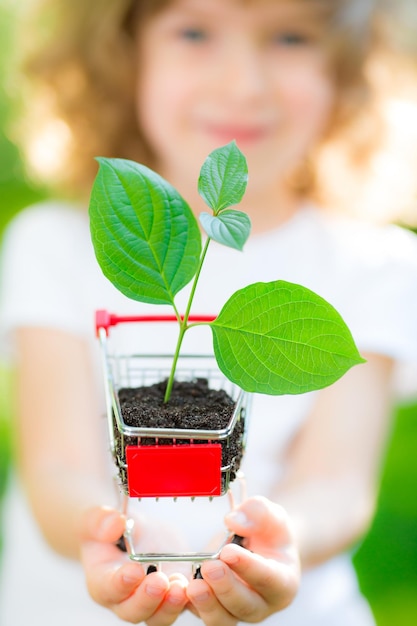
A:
(184, 323)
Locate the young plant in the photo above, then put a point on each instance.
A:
(273, 338)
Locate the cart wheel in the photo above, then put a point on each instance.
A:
(121, 544)
(151, 569)
(198, 573)
(238, 540)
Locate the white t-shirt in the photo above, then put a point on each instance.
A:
(50, 278)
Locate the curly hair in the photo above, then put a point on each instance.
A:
(79, 64)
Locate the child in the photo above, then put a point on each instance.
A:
(166, 83)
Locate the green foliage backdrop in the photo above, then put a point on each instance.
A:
(387, 559)
(16, 191)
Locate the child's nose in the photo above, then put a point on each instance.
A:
(242, 72)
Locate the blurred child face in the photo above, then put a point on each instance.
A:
(216, 70)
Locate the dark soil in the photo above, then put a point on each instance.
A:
(192, 405)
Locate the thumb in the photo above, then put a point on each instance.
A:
(103, 524)
(258, 516)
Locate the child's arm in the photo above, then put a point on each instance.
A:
(61, 438)
(333, 469)
(60, 434)
(333, 466)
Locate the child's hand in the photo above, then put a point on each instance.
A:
(121, 585)
(249, 584)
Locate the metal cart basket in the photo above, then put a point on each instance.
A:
(191, 465)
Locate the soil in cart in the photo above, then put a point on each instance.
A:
(193, 404)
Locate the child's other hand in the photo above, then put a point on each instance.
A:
(249, 584)
(121, 585)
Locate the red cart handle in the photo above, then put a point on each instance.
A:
(105, 320)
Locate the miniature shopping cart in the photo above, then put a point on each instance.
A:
(192, 464)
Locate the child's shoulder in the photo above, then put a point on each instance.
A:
(366, 243)
(49, 214)
(50, 225)
(47, 234)
(373, 271)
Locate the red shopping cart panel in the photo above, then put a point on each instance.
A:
(174, 470)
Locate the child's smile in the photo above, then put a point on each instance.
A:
(244, 133)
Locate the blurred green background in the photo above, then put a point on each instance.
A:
(386, 561)
(16, 191)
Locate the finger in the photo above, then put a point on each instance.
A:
(274, 582)
(233, 594)
(110, 577)
(111, 584)
(173, 604)
(145, 600)
(252, 585)
(258, 517)
(101, 527)
(207, 606)
(102, 524)
(269, 533)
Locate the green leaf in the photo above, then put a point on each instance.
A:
(231, 228)
(145, 237)
(281, 338)
(223, 177)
